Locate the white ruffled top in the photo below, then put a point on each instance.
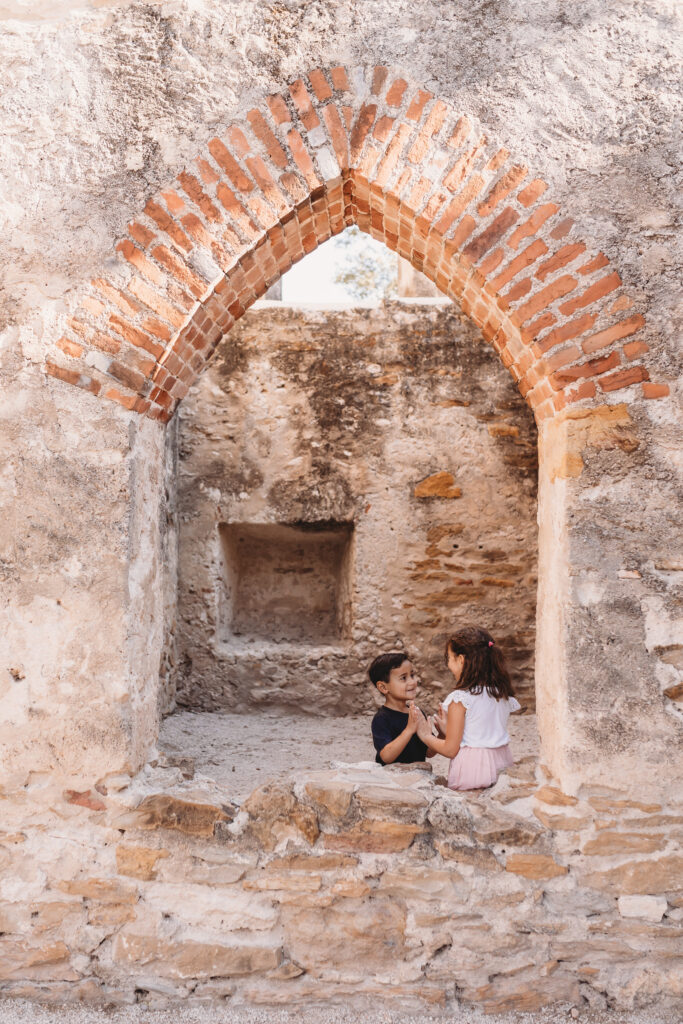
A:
(486, 718)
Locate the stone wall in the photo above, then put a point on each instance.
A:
(355, 886)
(397, 422)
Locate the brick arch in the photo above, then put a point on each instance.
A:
(355, 146)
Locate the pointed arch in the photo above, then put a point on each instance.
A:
(366, 147)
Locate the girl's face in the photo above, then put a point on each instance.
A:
(456, 663)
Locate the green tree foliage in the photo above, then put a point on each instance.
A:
(367, 269)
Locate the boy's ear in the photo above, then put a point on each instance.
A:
(382, 686)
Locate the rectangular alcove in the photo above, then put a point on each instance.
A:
(286, 583)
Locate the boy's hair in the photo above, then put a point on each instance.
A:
(484, 666)
(384, 663)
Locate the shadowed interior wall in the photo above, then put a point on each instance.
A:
(397, 421)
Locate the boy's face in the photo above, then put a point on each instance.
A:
(402, 684)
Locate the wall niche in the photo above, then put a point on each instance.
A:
(286, 582)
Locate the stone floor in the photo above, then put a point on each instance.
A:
(242, 752)
(20, 1012)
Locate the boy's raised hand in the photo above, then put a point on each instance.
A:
(416, 720)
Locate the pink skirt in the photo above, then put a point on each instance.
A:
(478, 767)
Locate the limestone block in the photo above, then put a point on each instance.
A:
(536, 866)
(21, 959)
(193, 959)
(358, 937)
(478, 856)
(651, 908)
(424, 883)
(49, 914)
(110, 915)
(555, 796)
(391, 804)
(374, 837)
(611, 843)
(507, 829)
(222, 909)
(195, 870)
(138, 861)
(315, 862)
(569, 822)
(100, 890)
(288, 883)
(334, 796)
(634, 877)
(612, 805)
(163, 811)
(507, 994)
(275, 813)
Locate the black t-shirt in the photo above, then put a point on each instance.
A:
(386, 726)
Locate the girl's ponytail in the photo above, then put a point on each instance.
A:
(484, 666)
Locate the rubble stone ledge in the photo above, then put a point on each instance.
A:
(361, 885)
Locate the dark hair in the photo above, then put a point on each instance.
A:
(484, 666)
(383, 664)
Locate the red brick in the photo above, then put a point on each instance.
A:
(497, 160)
(528, 256)
(321, 86)
(633, 349)
(431, 127)
(180, 270)
(471, 190)
(238, 141)
(91, 305)
(134, 336)
(597, 263)
(542, 299)
(119, 299)
(532, 192)
(194, 190)
(337, 133)
(156, 302)
(278, 109)
(359, 132)
(263, 179)
(532, 330)
(655, 390)
(596, 291)
(140, 233)
(572, 329)
(623, 378)
(531, 226)
(417, 105)
(567, 254)
(586, 389)
(163, 219)
(379, 77)
(395, 92)
(260, 128)
(592, 368)
(562, 229)
(562, 358)
(392, 155)
(236, 210)
(615, 333)
(208, 175)
(172, 200)
(462, 167)
(302, 159)
(460, 133)
(229, 165)
(339, 79)
(79, 380)
(518, 291)
(71, 348)
(623, 302)
(492, 262)
(138, 259)
(463, 231)
(302, 102)
(502, 189)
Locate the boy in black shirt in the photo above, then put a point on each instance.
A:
(394, 727)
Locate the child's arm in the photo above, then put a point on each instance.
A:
(394, 749)
(455, 726)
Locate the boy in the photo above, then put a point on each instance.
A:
(394, 727)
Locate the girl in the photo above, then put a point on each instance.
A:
(473, 718)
